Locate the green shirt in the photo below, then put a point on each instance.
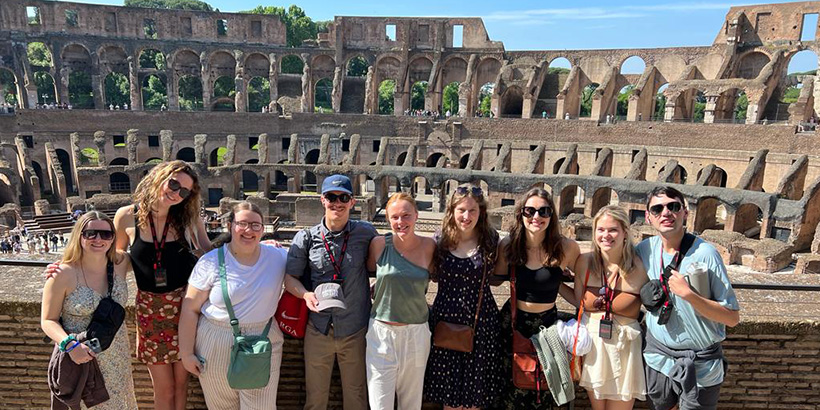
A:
(401, 288)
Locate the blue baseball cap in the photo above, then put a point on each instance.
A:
(337, 182)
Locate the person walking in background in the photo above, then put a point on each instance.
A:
(333, 254)
(465, 257)
(254, 276)
(398, 337)
(608, 283)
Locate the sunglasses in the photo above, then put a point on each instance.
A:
(175, 186)
(673, 207)
(105, 235)
(529, 211)
(343, 198)
(255, 226)
(464, 190)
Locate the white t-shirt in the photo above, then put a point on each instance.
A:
(254, 290)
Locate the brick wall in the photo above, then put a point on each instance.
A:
(772, 366)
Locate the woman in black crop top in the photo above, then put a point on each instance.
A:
(540, 256)
(165, 233)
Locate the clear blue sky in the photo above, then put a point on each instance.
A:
(549, 24)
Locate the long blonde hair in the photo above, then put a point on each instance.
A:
(628, 254)
(74, 250)
(181, 215)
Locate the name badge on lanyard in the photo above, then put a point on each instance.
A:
(160, 274)
(605, 327)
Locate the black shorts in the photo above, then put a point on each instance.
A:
(664, 393)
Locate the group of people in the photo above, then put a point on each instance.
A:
(53, 106)
(194, 299)
(43, 242)
(6, 108)
(112, 107)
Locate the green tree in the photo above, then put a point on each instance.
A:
(324, 89)
(89, 156)
(741, 106)
(151, 58)
(299, 26)
(80, 93)
(258, 94)
(586, 100)
(485, 98)
(417, 95)
(387, 90)
(170, 4)
(190, 93)
(450, 98)
(790, 95)
(117, 90)
(660, 106)
(154, 93)
(357, 67)
(8, 87)
(623, 100)
(38, 55)
(45, 87)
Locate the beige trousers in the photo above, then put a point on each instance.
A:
(213, 343)
(320, 353)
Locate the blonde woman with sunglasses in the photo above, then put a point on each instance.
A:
(70, 299)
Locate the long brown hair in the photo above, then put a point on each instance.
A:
(182, 215)
(628, 254)
(449, 238)
(553, 243)
(74, 250)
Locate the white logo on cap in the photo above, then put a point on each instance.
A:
(337, 182)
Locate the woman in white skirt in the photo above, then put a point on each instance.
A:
(608, 282)
(255, 273)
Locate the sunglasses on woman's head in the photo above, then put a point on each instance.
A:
(174, 185)
(673, 207)
(464, 190)
(530, 211)
(343, 198)
(104, 234)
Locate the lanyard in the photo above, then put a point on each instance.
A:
(609, 294)
(337, 266)
(158, 246)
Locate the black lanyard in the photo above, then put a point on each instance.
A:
(664, 283)
(609, 294)
(158, 245)
(337, 265)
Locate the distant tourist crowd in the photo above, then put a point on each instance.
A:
(18, 241)
(219, 310)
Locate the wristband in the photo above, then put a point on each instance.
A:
(66, 341)
(76, 343)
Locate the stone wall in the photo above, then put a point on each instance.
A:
(772, 366)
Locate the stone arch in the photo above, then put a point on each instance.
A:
(571, 200)
(322, 66)
(750, 65)
(76, 56)
(633, 64)
(323, 95)
(280, 181)
(222, 63)
(291, 64)
(690, 105)
(189, 89)
(401, 158)
(454, 70)
(118, 182)
(552, 84)
(587, 96)
(731, 106)
(679, 176)
(659, 107)
(217, 157)
(462, 162)
(487, 71)
(117, 89)
(748, 220)
(356, 66)
(512, 102)
(450, 99)
(153, 161)
(154, 92)
(289, 83)
(557, 165)
(419, 69)
(46, 87)
(250, 181)
(65, 165)
(418, 95)
(309, 179)
(708, 214)
(257, 65)
(388, 67)
(118, 161)
(187, 62)
(602, 197)
(80, 90)
(354, 85)
(186, 154)
(38, 170)
(113, 59)
(718, 179)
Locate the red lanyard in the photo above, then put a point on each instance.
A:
(609, 294)
(337, 266)
(158, 246)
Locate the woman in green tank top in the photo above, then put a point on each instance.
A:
(398, 337)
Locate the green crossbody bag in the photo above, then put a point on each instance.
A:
(249, 367)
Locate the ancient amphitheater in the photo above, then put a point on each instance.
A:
(753, 185)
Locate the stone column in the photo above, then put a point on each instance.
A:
(263, 155)
(98, 85)
(465, 89)
(132, 141)
(370, 93)
(240, 85)
(199, 149)
(307, 85)
(166, 139)
(709, 110)
(173, 89)
(99, 141)
(134, 83)
(76, 154)
(206, 82)
(336, 94)
(61, 82)
(230, 153)
(273, 77)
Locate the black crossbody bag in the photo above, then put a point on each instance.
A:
(107, 318)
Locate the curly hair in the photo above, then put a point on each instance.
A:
(552, 245)
(449, 237)
(182, 215)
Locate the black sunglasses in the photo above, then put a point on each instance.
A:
(464, 190)
(673, 207)
(174, 185)
(529, 211)
(104, 234)
(343, 198)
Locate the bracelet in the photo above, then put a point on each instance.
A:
(76, 343)
(66, 341)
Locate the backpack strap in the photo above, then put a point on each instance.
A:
(224, 281)
(110, 273)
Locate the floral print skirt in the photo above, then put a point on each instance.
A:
(158, 326)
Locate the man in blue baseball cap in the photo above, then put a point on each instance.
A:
(334, 252)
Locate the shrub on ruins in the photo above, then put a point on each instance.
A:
(170, 4)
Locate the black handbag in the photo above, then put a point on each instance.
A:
(107, 318)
